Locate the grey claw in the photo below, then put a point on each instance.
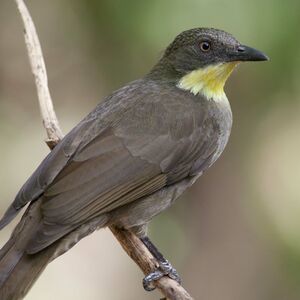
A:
(168, 270)
(148, 280)
(165, 269)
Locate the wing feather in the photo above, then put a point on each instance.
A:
(132, 145)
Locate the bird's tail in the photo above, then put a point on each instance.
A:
(19, 270)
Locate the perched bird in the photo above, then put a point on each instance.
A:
(129, 159)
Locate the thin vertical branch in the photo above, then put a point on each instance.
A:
(38, 68)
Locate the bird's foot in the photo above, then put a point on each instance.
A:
(165, 269)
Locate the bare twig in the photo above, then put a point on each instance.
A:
(129, 241)
(38, 69)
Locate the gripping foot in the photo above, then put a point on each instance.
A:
(165, 269)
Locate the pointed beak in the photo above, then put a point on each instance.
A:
(245, 53)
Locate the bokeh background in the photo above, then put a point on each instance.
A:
(236, 233)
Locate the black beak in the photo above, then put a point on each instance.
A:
(245, 53)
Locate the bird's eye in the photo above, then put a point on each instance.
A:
(205, 46)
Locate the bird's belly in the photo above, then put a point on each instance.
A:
(138, 213)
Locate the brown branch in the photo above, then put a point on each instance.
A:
(129, 241)
(147, 263)
(38, 69)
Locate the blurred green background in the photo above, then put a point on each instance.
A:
(236, 233)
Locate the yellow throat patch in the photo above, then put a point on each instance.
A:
(208, 81)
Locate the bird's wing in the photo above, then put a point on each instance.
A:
(102, 168)
(124, 163)
(105, 114)
(47, 171)
(101, 176)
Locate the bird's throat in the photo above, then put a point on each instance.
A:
(208, 81)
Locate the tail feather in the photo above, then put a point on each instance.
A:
(19, 270)
(8, 216)
(21, 273)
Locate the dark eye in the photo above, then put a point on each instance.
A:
(205, 46)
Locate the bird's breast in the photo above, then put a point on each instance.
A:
(175, 130)
(213, 134)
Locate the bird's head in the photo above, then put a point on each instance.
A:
(200, 60)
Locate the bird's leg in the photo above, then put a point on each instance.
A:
(165, 268)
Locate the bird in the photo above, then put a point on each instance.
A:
(127, 160)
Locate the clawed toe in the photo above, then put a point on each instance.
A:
(148, 280)
(168, 269)
(165, 269)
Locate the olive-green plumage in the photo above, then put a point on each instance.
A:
(127, 161)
